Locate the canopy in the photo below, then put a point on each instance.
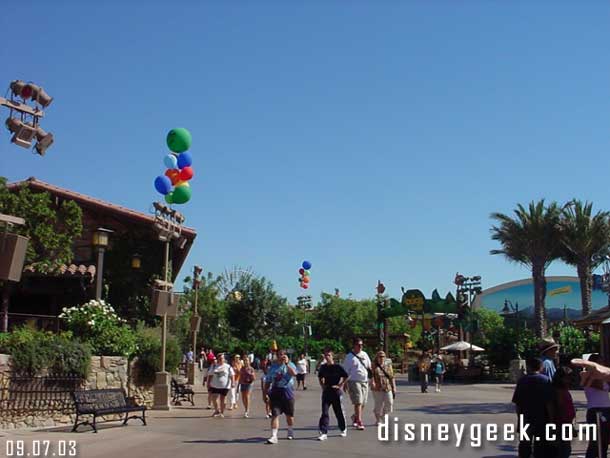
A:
(462, 346)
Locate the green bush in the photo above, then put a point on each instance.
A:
(34, 351)
(149, 354)
(97, 324)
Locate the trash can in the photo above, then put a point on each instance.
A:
(312, 366)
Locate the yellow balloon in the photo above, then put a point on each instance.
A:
(182, 183)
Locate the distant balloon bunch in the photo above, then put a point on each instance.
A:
(304, 272)
(174, 184)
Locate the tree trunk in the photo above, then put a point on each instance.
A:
(586, 285)
(539, 300)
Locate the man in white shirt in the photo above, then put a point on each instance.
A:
(358, 366)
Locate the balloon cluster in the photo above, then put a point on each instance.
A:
(174, 184)
(304, 272)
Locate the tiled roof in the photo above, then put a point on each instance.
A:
(67, 271)
(34, 183)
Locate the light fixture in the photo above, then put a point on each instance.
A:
(136, 261)
(45, 139)
(31, 91)
(24, 133)
(100, 237)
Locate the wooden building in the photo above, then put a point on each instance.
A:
(133, 258)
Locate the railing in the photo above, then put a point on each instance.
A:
(38, 393)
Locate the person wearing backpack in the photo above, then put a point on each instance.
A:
(357, 364)
(246, 379)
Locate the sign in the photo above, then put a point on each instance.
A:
(414, 300)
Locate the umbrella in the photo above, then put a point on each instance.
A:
(462, 346)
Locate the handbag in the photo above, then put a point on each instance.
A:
(369, 372)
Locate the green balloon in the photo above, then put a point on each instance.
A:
(181, 194)
(169, 197)
(179, 140)
(306, 273)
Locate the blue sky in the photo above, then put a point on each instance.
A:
(371, 138)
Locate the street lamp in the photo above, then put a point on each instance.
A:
(510, 309)
(100, 242)
(136, 261)
(381, 322)
(304, 303)
(195, 323)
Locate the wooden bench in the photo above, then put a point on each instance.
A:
(105, 402)
(182, 392)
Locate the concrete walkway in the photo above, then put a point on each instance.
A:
(186, 432)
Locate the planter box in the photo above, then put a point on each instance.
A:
(164, 302)
(12, 256)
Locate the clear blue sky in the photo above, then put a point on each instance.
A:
(372, 138)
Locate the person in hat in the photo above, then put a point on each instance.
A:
(548, 355)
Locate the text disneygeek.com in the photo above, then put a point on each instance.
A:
(392, 429)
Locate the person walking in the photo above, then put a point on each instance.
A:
(332, 378)
(357, 364)
(210, 371)
(279, 383)
(265, 365)
(534, 401)
(564, 408)
(548, 354)
(438, 370)
(219, 383)
(423, 365)
(598, 412)
(236, 364)
(383, 386)
(246, 379)
(301, 371)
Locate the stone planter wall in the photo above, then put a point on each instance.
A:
(106, 372)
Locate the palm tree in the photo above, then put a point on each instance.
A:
(531, 238)
(585, 241)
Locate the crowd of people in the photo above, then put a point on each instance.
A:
(542, 397)
(356, 376)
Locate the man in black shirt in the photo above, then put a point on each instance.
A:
(332, 377)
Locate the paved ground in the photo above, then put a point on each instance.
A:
(191, 432)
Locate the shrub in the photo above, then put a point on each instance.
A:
(34, 351)
(149, 354)
(97, 324)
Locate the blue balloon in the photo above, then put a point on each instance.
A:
(163, 184)
(306, 265)
(170, 161)
(185, 160)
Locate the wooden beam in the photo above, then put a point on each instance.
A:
(22, 107)
(11, 219)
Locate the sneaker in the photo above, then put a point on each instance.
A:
(209, 408)
(344, 433)
(290, 435)
(246, 415)
(360, 427)
(272, 440)
(215, 414)
(322, 437)
(220, 415)
(268, 416)
(304, 387)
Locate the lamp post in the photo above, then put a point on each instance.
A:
(381, 337)
(304, 303)
(168, 224)
(100, 242)
(467, 289)
(510, 309)
(195, 323)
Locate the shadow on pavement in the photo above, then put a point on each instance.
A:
(461, 409)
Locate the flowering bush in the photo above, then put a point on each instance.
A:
(97, 324)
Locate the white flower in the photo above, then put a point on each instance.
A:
(91, 323)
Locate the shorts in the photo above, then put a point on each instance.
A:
(220, 391)
(245, 386)
(358, 392)
(301, 377)
(280, 405)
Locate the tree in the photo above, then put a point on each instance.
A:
(51, 227)
(531, 238)
(585, 240)
(488, 322)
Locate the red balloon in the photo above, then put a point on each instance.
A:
(301, 271)
(186, 173)
(173, 175)
(305, 286)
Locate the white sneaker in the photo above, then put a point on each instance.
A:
(290, 436)
(272, 440)
(344, 433)
(246, 415)
(322, 437)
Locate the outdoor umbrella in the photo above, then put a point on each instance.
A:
(462, 346)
